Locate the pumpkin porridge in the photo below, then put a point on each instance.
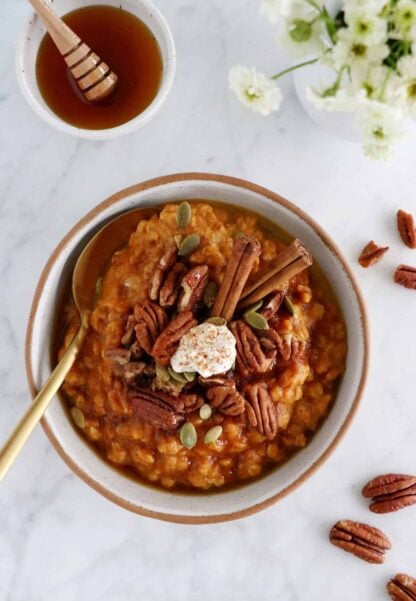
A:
(213, 354)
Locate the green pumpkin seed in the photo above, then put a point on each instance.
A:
(178, 240)
(205, 412)
(213, 434)
(78, 417)
(189, 244)
(210, 294)
(188, 435)
(190, 375)
(177, 377)
(254, 307)
(257, 321)
(290, 307)
(163, 374)
(217, 321)
(184, 214)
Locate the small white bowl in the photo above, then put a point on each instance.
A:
(221, 506)
(27, 51)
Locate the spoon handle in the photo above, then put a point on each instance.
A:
(64, 38)
(24, 428)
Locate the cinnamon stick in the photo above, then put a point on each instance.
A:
(244, 253)
(289, 263)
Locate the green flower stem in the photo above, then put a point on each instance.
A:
(384, 86)
(290, 69)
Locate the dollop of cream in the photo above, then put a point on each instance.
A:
(207, 349)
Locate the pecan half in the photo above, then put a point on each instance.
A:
(250, 356)
(371, 254)
(405, 275)
(166, 261)
(215, 381)
(402, 588)
(119, 356)
(169, 291)
(273, 303)
(406, 227)
(191, 402)
(226, 399)
(129, 335)
(289, 347)
(156, 408)
(150, 321)
(363, 541)
(261, 411)
(168, 341)
(135, 370)
(193, 285)
(391, 492)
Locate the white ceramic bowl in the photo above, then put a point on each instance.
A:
(251, 497)
(26, 61)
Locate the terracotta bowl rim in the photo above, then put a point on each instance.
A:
(328, 242)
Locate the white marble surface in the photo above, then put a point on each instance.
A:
(59, 540)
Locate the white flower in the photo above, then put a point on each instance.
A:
(373, 7)
(274, 9)
(380, 125)
(365, 26)
(406, 68)
(352, 52)
(341, 101)
(254, 89)
(377, 82)
(304, 35)
(404, 20)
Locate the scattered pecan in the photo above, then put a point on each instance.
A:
(150, 321)
(168, 341)
(402, 588)
(169, 291)
(406, 227)
(226, 399)
(193, 285)
(261, 411)
(250, 356)
(364, 541)
(273, 303)
(156, 408)
(405, 275)
(371, 254)
(391, 492)
(165, 263)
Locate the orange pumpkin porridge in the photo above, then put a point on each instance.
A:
(213, 354)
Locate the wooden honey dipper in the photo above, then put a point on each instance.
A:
(93, 76)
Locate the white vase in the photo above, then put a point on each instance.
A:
(320, 77)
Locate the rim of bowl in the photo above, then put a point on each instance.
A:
(241, 183)
(48, 116)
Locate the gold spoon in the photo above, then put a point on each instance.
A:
(89, 267)
(92, 75)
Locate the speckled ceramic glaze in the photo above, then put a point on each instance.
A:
(251, 497)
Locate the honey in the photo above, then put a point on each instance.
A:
(130, 49)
